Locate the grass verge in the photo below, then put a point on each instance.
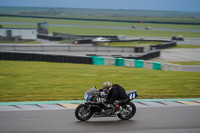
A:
(130, 44)
(19, 42)
(44, 81)
(187, 63)
(95, 23)
(102, 31)
(186, 46)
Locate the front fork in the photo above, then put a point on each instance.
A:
(88, 106)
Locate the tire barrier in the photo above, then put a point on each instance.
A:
(48, 37)
(85, 41)
(89, 60)
(119, 62)
(135, 63)
(44, 57)
(163, 45)
(146, 56)
(138, 49)
(83, 37)
(157, 65)
(97, 60)
(139, 63)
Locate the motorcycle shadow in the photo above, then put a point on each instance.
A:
(106, 125)
(104, 122)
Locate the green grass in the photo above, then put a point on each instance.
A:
(144, 43)
(129, 44)
(95, 23)
(187, 63)
(43, 81)
(101, 31)
(19, 42)
(186, 46)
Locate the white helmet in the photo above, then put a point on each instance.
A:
(107, 86)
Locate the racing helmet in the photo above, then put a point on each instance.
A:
(107, 86)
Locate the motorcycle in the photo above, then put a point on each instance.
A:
(124, 109)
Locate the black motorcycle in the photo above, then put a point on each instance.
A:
(124, 109)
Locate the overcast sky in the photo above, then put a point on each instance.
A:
(163, 5)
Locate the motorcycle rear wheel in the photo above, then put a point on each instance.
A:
(82, 113)
(130, 108)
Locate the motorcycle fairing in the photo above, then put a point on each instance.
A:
(132, 94)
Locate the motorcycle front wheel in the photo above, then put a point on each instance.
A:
(128, 111)
(83, 113)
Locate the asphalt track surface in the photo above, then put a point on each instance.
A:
(183, 119)
(104, 27)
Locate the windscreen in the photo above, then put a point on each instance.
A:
(89, 93)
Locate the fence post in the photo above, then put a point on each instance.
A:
(68, 48)
(96, 49)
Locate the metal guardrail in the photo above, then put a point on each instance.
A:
(68, 48)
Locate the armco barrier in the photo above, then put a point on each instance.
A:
(171, 67)
(176, 67)
(166, 66)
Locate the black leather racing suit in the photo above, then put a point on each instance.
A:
(116, 93)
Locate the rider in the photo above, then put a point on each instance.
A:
(114, 92)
